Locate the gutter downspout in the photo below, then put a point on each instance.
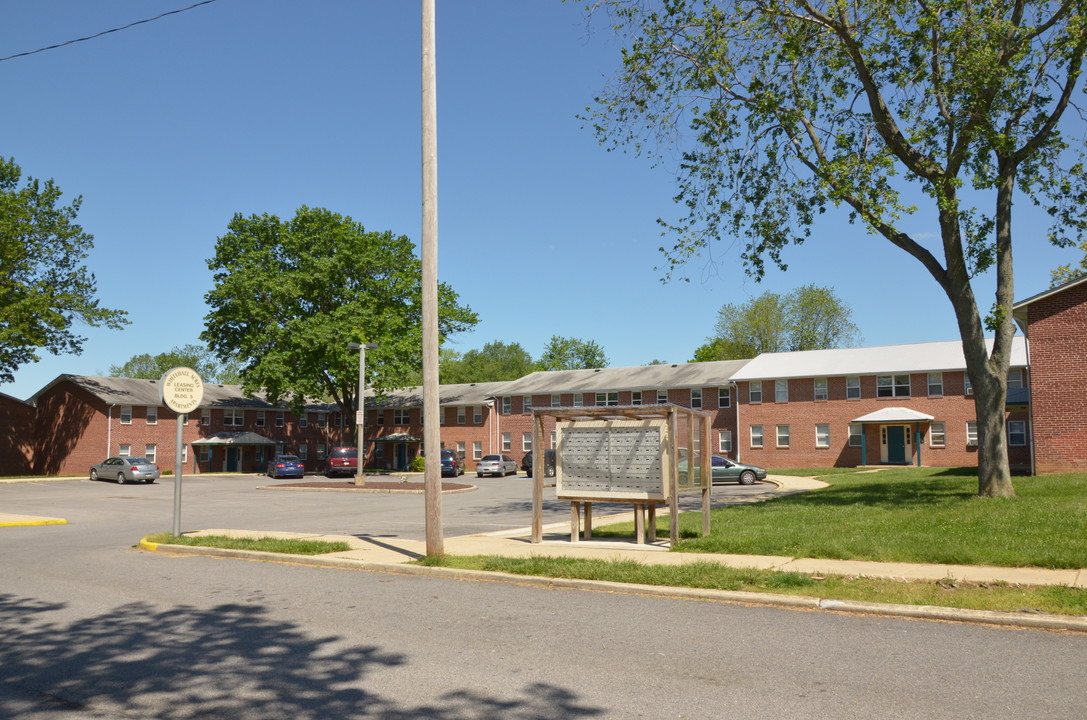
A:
(109, 430)
(736, 403)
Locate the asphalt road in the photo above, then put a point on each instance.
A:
(93, 628)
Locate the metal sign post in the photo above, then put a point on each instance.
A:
(181, 390)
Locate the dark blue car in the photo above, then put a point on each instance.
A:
(282, 466)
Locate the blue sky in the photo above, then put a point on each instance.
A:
(251, 106)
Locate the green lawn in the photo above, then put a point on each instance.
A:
(263, 544)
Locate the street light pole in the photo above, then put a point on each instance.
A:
(360, 413)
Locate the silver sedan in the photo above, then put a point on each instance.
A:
(496, 465)
(126, 469)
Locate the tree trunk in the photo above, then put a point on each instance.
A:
(994, 472)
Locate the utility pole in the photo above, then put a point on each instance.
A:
(432, 488)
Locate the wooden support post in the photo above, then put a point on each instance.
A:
(705, 512)
(575, 520)
(537, 480)
(588, 532)
(639, 523)
(651, 524)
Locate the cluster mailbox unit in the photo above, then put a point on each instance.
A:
(643, 455)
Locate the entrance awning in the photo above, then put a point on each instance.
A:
(398, 437)
(234, 438)
(894, 415)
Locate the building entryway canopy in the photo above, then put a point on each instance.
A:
(234, 438)
(897, 442)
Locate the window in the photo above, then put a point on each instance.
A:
(724, 441)
(696, 398)
(150, 451)
(126, 414)
(822, 436)
(783, 436)
(935, 384)
(579, 400)
(507, 405)
(337, 419)
(756, 436)
(856, 434)
(852, 388)
(553, 435)
(526, 405)
(724, 397)
(152, 416)
(462, 415)
(303, 420)
(320, 452)
(303, 452)
(937, 434)
(507, 442)
(234, 417)
(401, 416)
(1015, 378)
(781, 391)
(968, 389)
(662, 397)
(125, 450)
(477, 450)
(556, 401)
(205, 453)
(460, 448)
(754, 392)
(607, 399)
(892, 386)
(279, 418)
(821, 389)
(1017, 433)
(477, 414)
(205, 416)
(971, 434)
(526, 442)
(636, 397)
(322, 421)
(184, 454)
(260, 418)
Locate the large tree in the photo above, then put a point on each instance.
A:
(152, 367)
(1069, 272)
(884, 107)
(563, 353)
(44, 286)
(290, 296)
(807, 318)
(496, 361)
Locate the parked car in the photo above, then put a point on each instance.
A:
(342, 461)
(725, 470)
(286, 466)
(451, 464)
(496, 465)
(125, 469)
(549, 463)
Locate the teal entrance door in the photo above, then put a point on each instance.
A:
(401, 457)
(896, 445)
(232, 454)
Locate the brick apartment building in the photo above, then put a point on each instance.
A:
(904, 404)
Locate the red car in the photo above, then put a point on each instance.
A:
(342, 461)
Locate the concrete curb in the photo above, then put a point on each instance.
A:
(16, 521)
(1069, 623)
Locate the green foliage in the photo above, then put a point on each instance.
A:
(261, 544)
(199, 358)
(496, 361)
(1069, 272)
(290, 295)
(44, 286)
(808, 318)
(418, 464)
(562, 353)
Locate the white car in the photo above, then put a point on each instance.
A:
(496, 465)
(125, 469)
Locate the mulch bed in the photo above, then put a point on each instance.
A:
(373, 486)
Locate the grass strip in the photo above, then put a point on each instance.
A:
(709, 575)
(262, 544)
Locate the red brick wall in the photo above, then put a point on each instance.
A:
(1057, 327)
(16, 441)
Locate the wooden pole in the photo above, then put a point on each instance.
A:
(432, 487)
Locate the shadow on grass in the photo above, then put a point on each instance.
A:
(907, 486)
(229, 661)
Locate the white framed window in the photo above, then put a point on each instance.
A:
(401, 416)
(507, 405)
(303, 420)
(126, 414)
(754, 392)
(968, 389)
(320, 452)
(756, 436)
(526, 442)
(526, 405)
(554, 435)
(205, 453)
(322, 421)
(460, 448)
(556, 401)
(662, 397)
(579, 400)
(781, 391)
(822, 436)
(971, 434)
(477, 414)
(234, 417)
(462, 415)
(821, 389)
(856, 434)
(151, 451)
(124, 450)
(507, 442)
(303, 452)
(205, 416)
(935, 384)
(279, 418)
(937, 434)
(724, 397)
(783, 436)
(696, 398)
(853, 388)
(184, 454)
(152, 416)
(260, 418)
(636, 397)
(1017, 433)
(724, 441)
(892, 386)
(477, 450)
(1015, 377)
(607, 399)
(337, 419)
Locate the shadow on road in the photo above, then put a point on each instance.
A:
(229, 661)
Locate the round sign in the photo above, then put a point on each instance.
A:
(181, 390)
